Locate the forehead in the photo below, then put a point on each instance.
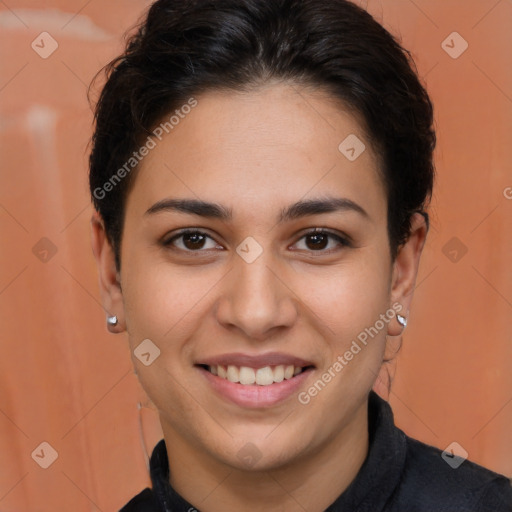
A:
(273, 144)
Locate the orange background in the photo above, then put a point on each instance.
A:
(66, 381)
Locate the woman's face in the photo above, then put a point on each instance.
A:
(255, 288)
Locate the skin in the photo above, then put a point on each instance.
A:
(258, 152)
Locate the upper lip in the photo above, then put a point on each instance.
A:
(255, 361)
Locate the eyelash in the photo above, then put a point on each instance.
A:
(344, 242)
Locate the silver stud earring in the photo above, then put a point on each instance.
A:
(112, 320)
(401, 320)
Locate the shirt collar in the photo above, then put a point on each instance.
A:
(380, 474)
(370, 490)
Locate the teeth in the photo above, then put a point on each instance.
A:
(247, 375)
(261, 376)
(264, 376)
(279, 373)
(233, 374)
(288, 372)
(221, 372)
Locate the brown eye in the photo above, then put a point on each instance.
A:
(191, 241)
(318, 241)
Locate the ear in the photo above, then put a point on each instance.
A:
(109, 277)
(405, 270)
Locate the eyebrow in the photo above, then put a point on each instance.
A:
(302, 208)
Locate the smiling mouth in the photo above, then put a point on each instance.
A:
(247, 376)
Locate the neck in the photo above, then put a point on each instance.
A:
(312, 483)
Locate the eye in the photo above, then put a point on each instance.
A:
(318, 239)
(192, 240)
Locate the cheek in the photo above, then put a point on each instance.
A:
(162, 301)
(355, 341)
(162, 305)
(347, 297)
(351, 304)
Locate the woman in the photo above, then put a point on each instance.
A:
(261, 172)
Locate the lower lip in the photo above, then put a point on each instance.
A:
(256, 396)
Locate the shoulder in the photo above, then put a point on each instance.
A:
(429, 482)
(144, 502)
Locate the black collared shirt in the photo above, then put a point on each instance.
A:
(399, 474)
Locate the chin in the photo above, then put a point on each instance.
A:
(258, 453)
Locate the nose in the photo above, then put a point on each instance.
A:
(256, 299)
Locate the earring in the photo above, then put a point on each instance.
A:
(112, 320)
(401, 320)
